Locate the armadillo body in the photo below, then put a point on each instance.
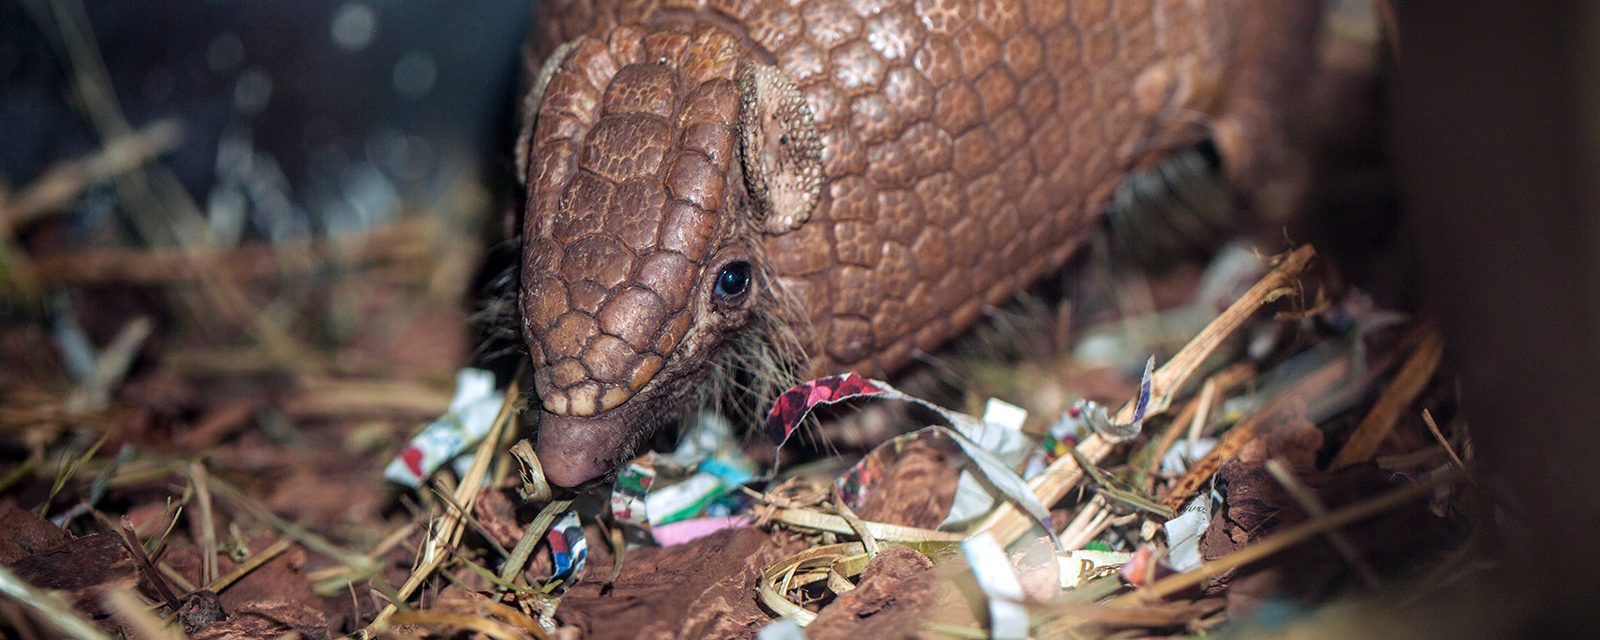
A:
(889, 168)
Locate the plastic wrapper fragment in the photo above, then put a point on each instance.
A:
(1100, 420)
(856, 483)
(1002, 431)
(690, 530)
(627, 495)
(569, 550)
(472, 411)
(1083, 565)
(964, 430)
(1145, 567)
(793, 405)
(1064, 434)
(1002, 435)
(1184, 531)
(1008, 618)
(1184, 453)
(699, 478)
(782, 629)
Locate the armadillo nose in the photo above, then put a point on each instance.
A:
(575, 451)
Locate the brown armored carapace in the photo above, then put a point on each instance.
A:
(866, 175)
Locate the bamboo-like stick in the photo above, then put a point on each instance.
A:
(1006, 524)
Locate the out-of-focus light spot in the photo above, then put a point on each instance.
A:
(224, 52)
(252, 91)
(387, 148)
(225, 214)
(415, 73)
(368, 199)
(354, 26)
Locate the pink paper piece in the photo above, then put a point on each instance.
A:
(688, 530)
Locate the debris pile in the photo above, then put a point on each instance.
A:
(1299, 444)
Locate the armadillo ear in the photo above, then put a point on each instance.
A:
(530, 106)
(781, 150)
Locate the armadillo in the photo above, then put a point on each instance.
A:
(844, 184)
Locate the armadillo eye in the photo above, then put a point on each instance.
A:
(732, 283)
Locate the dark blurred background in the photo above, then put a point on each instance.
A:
(298, 116)
(1497, 143)
(332, 175)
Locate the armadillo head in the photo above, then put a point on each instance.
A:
(654, 161)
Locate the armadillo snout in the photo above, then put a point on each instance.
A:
(575, 451)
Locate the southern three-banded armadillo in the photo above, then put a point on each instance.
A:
(840, 183)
